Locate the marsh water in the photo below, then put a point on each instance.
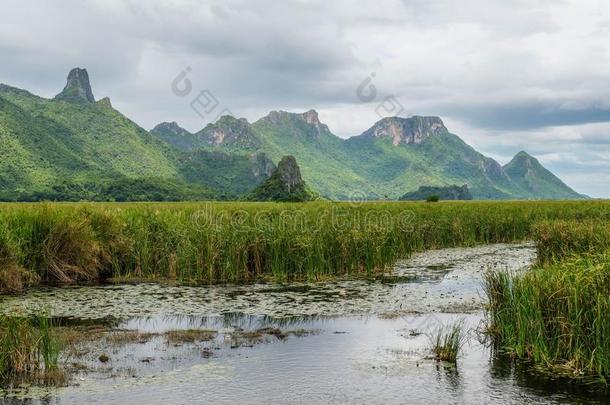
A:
(338, 342)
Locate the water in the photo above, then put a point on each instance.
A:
(345, 342)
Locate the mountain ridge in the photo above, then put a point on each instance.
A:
(389, 152)
(73, 142)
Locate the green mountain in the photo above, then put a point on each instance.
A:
(73, 147)
(530, 175)
(284, 185)
(443, 193)
(395, 156)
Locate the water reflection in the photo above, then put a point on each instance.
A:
(341, 342)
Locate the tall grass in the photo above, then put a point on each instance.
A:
(28, 348)
(558, 239)
(556, 316)
(243, 242)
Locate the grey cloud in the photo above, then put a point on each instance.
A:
(527, 115)
(514, 73)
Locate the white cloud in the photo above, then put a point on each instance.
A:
(505, 75)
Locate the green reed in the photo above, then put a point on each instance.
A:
(555, 316)
(447, 341)
(243, 242)
(558, 239)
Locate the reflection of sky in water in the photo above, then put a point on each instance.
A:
(351, 355)
(444, 280)
(371, 360)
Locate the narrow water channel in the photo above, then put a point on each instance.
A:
(340, 342)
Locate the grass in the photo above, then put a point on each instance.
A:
(558, 239)
(246, 242)
(557, 314)
(447, 341)
(177, 337)
(29, 349)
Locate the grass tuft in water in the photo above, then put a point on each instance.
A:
(447, 341)
(29, 350)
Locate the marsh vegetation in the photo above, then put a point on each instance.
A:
(247, 242)
(29, 351)
(553, 316)
(556, 314)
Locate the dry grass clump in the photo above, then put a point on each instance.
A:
(13, 277)
(72, 252)
(123, 337)
(177, 337)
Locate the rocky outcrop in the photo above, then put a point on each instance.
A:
(308, 121)
(105, 102)
(285, 184)
(78, 88)
(229, 131)
(412, 130)
(176, 136)
(169, 129)
(262, 166)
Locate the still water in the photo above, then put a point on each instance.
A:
(346, 342)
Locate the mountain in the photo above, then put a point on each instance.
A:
(73, 147)
(232, 175)
(284, 185)
(527, 172)
(395, 156)
(444, 193)
(403, 154)
(175, 135)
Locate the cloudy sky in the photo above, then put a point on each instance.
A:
(504, 75)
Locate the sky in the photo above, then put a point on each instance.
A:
(505, 75)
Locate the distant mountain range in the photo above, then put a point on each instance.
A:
(73, 147)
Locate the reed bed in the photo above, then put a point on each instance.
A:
(244, 242)
(557, 314)
(559, 239)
